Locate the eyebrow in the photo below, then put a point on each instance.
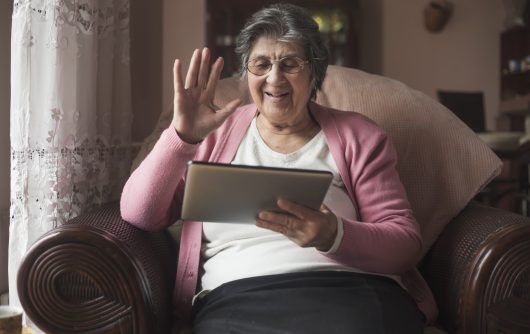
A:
(283, 56)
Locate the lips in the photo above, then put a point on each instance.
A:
(276, 95)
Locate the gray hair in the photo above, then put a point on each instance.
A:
(286, 23)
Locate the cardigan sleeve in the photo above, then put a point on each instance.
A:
(386, 239)
(149, 198)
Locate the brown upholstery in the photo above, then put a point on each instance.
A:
(97, 274)
(481, 258)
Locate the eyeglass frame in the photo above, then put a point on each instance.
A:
(300, 67)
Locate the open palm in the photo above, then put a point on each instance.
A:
(194, 114)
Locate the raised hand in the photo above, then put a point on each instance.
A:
(194, 114)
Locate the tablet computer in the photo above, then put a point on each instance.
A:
(216, 192)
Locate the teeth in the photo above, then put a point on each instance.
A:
(277, 95)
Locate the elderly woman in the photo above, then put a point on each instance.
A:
(345, 268)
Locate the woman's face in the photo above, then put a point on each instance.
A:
(281, 97)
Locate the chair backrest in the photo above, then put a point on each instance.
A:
(468, 106)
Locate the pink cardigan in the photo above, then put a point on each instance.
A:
(386, 240)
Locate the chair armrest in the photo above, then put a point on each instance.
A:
(96, 274)
(510, 316)
(481, 258)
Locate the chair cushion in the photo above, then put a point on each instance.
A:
(442, 163)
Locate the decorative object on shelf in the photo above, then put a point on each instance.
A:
(437, 14)
(518, 65)
(330, 20)
(525, 64)
(333, 25)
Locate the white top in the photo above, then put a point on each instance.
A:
(235, 251)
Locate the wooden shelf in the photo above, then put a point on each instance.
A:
(515, 53)
(519, 105)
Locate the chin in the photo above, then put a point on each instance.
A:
(276, 112)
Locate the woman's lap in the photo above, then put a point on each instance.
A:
(319, 302)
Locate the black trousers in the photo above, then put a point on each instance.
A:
(311, 302)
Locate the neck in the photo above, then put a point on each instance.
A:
(298, 127)
(287, 137)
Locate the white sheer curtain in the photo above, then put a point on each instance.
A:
(70, 114)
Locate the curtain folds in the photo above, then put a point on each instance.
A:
(70, 123)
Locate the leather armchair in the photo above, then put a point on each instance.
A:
(98, 274)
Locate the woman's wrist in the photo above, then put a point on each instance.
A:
(188, 139)
(333, 243)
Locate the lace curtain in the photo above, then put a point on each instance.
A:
(70, 114)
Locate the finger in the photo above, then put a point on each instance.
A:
(191, 77)
(288, 221)
(178, 85)
(232, 105)
(204, 68)
(324, 208)
(295, 209)
(271, 217)
(292, 234)
(222, 114)
(215, 75)
(278, 228)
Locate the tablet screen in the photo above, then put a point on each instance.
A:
(216, 192)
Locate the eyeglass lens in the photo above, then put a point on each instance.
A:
(261, 66)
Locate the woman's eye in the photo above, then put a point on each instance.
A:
(262, 64)
(289, 63)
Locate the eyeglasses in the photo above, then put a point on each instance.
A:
(262, 66)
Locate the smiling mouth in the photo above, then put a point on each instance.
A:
(276, 95)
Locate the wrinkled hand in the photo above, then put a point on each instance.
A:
(194, 114)
(304, 226)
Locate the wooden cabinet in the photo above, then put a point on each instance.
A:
(338, 21)
(515, 63)
(515, 115)
(515, 79)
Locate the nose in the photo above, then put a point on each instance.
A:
(275, 75)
